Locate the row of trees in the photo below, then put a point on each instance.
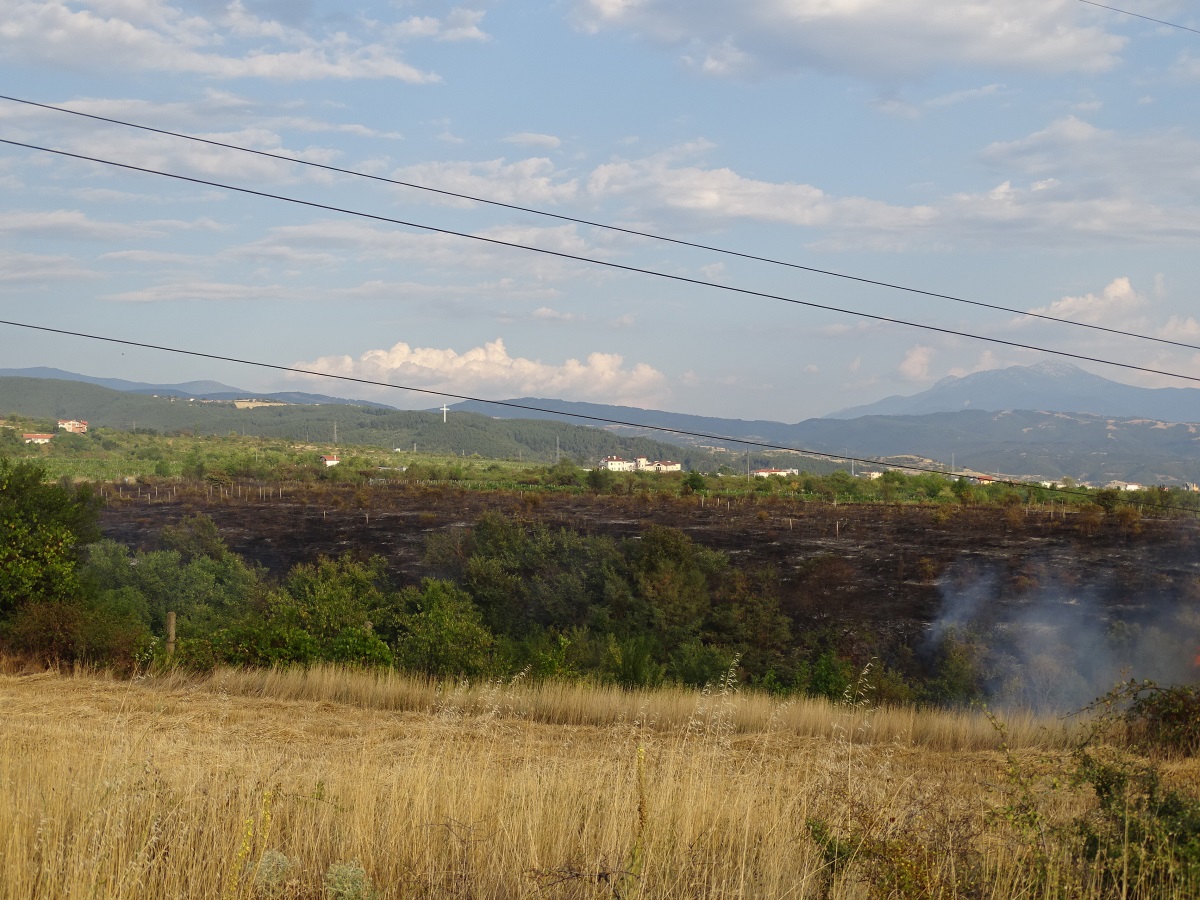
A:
(505, 597)
(502, 597)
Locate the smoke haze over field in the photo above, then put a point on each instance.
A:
(1057, 644)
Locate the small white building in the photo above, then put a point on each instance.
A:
(767, 473)
(75, 426)
(639, 464)
(330, 460)
(37, 438)
(617, 464)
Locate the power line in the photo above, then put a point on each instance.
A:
(682, 279)
(1126, 12)
(527, 407)
(608, 227)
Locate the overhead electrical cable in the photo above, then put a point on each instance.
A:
(1126, 12)
(608, 227)
(559, 254)
(528, 407)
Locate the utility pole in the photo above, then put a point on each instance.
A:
(445, 409)
(335, 435)
(557, 451)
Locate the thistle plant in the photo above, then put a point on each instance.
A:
(348, 881)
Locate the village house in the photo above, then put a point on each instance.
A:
(38, 438)
(330, 460)
(1124, 486)
(767, 473)
(75, 426)
(640, 464)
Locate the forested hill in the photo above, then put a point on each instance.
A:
(462, 433)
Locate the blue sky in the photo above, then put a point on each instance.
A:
(1038, 154)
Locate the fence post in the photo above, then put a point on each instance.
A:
(170, 634)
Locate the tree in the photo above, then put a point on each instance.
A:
(436, 629)
(42, 527)
(694, 482)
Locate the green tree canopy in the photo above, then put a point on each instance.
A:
(42, 527)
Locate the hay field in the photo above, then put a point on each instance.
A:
(255, 784)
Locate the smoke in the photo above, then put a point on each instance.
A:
(1054, 643)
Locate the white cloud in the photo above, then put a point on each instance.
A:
(67, 224)
(156, 36)
(530, 182)
(31, 269)
(964, 96)
(1116, 305)
(878, 39)
(152, 257)
(491, 372)
(548, 314)
(533, 139)
(204, 291)
(342, 241)
(915, 365)
(1066, 183)
(459, 25)
(1072, 181)
(987, 360)
(661, 181)
(1179, 328)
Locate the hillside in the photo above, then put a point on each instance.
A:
(188, 390)
(1025, 443)
(461, 434)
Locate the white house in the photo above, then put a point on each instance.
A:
(617, 464)
(75, 426)
(330, 460)
(767, 473)
(38, 438)
(640, 464)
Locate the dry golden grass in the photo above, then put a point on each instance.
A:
(175, 787)
(663, 709)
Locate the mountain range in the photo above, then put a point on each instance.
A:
(188, 390)
(1057, 387)
(1043, 421)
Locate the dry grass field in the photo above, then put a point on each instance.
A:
(334, 784)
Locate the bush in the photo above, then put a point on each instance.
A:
(1140, 834)
(1156, 720)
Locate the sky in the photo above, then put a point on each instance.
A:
(1041, 155)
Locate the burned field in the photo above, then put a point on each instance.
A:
(886, 569)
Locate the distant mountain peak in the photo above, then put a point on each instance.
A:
(1055, 369)
(1053, 386)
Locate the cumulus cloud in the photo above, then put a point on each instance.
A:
(491, 372)
(877, 39)
(1180, 328)
(915, 365)
(157, 36)
(1116, 305)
